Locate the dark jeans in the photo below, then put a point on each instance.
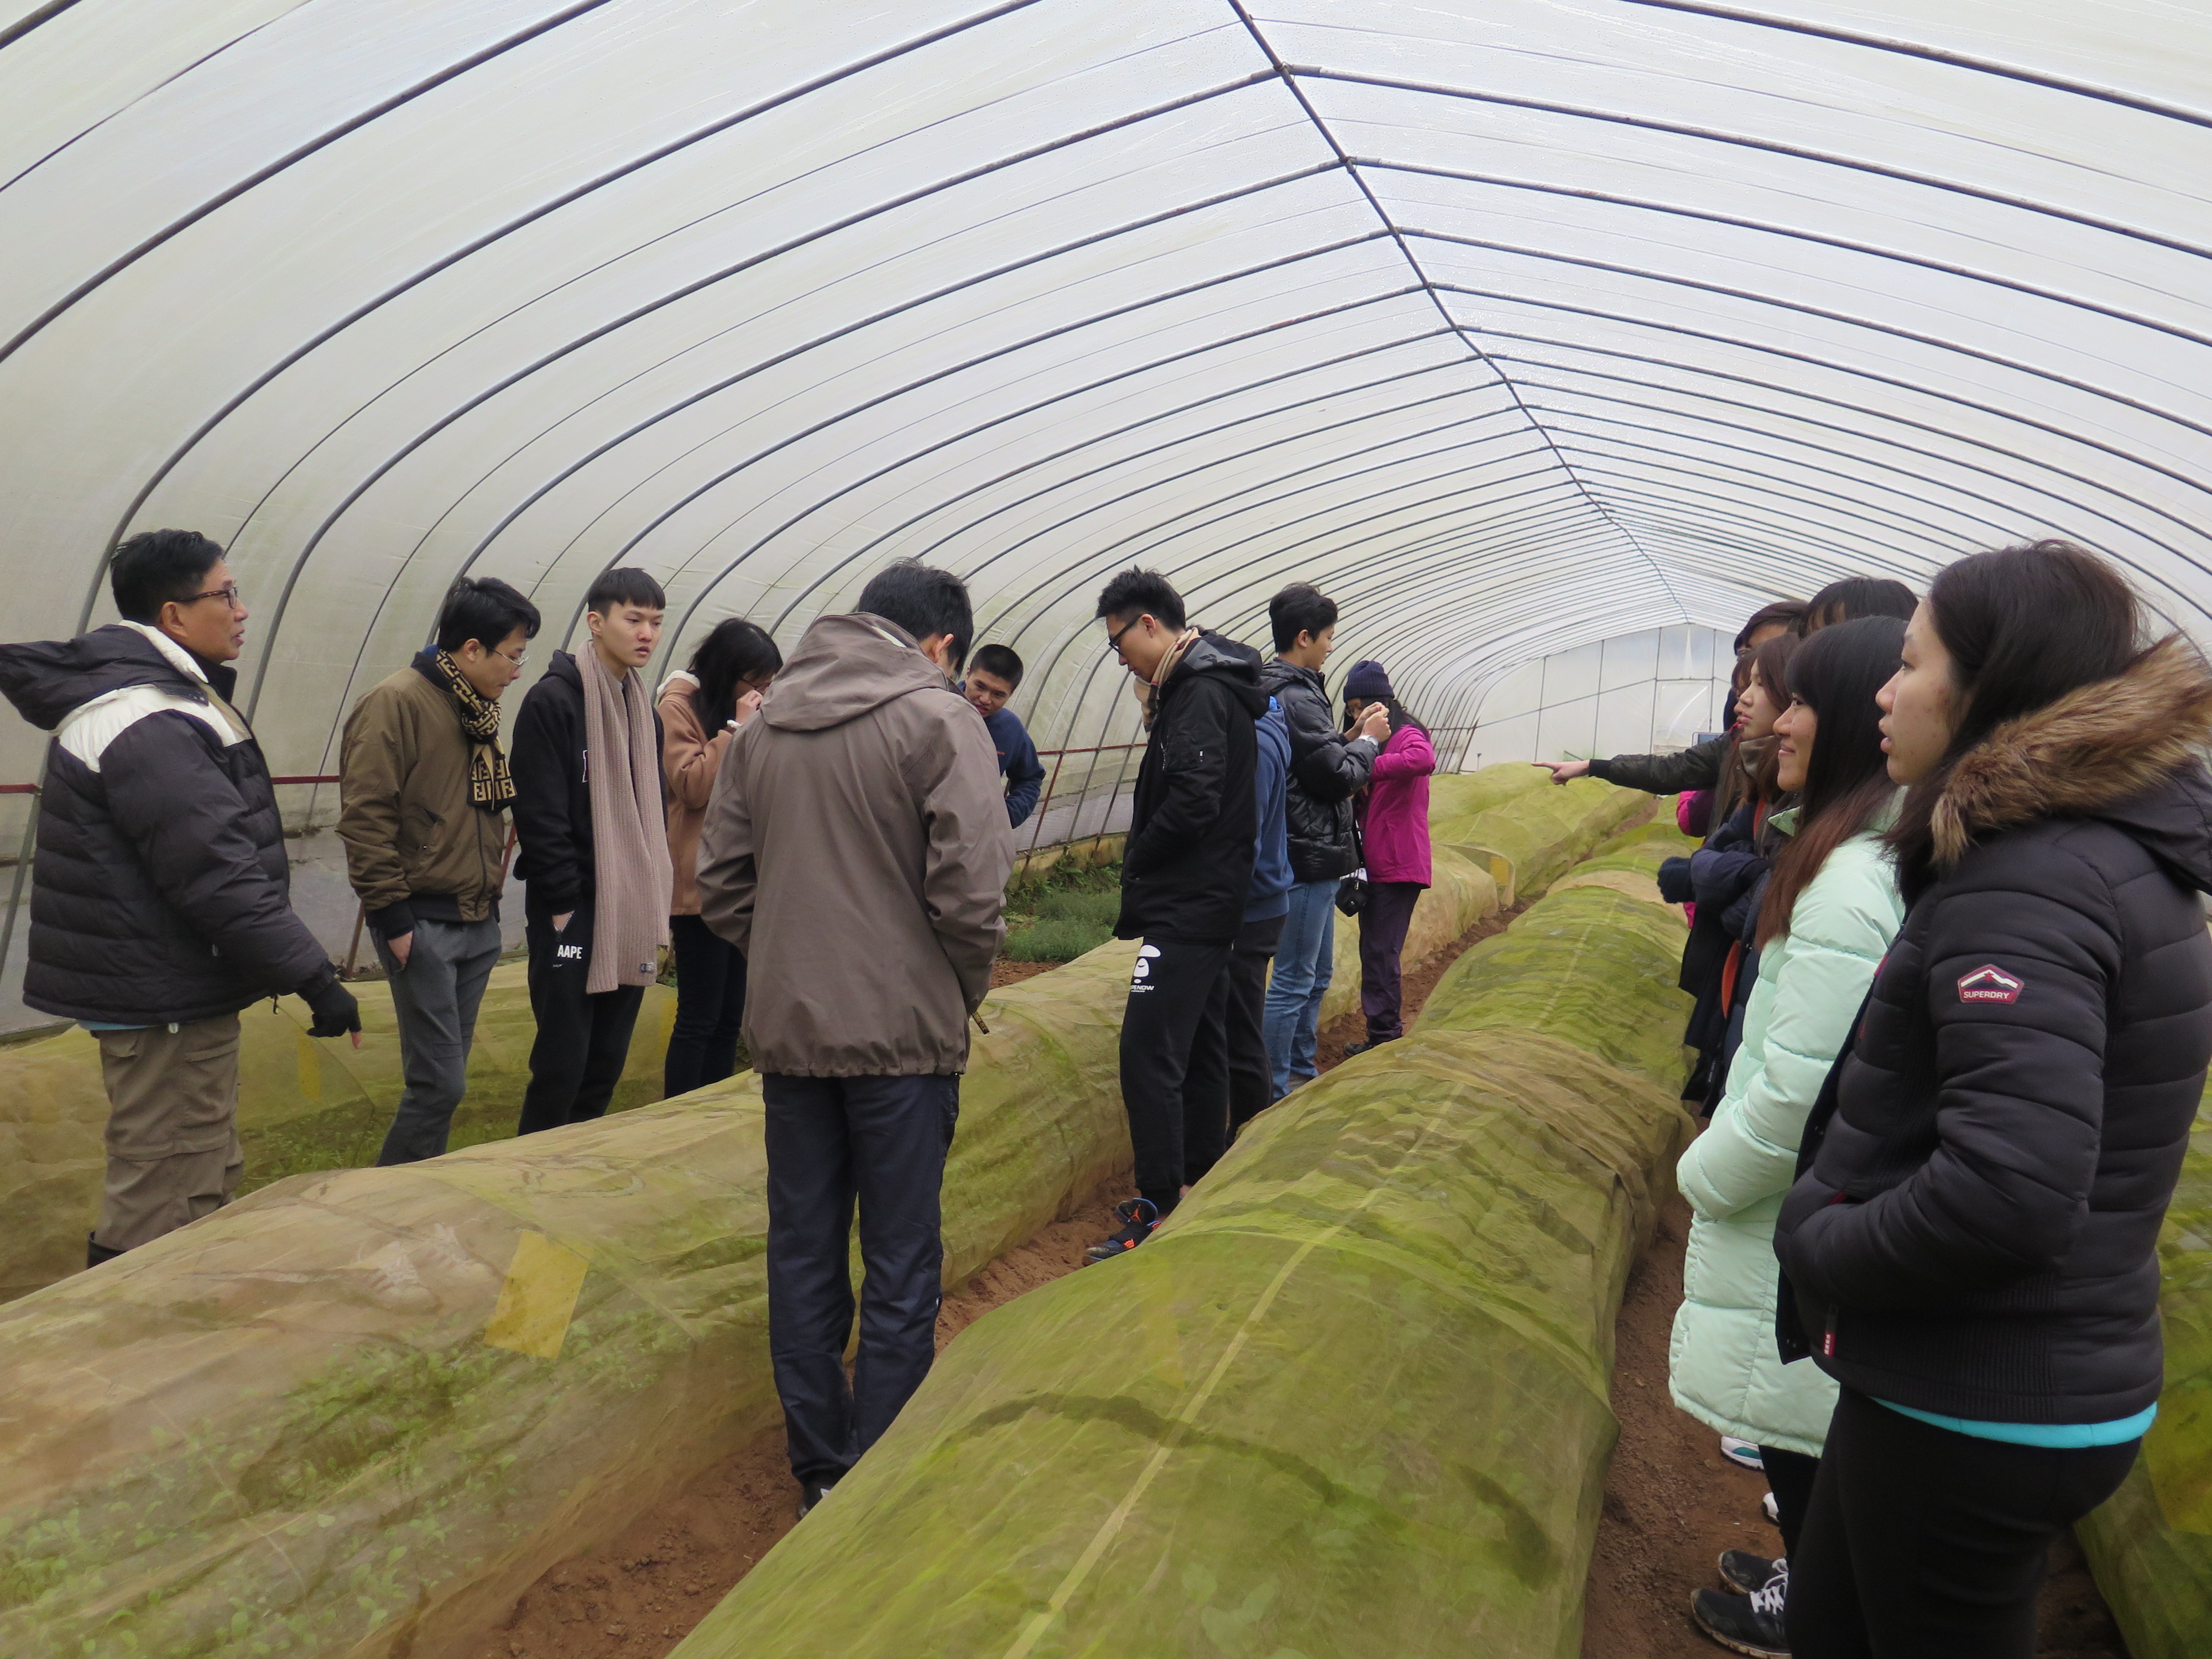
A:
(1244, 994)
(583, 1040)
(434, 999)
(1789, 1477)
(831, 1140)
(1172, 1053)
(1923, 1543)
(710, 1005)
(1382, 927)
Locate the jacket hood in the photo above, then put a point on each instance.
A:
(2124, 751)
(1233, 664)
(846, 667)
(1277, 674)
(46, 679)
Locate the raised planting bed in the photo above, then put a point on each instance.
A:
(1351, 1401)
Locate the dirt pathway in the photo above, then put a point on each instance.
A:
(1672, 1503)
(641, 1593)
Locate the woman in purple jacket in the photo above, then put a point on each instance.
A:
(1393, 833)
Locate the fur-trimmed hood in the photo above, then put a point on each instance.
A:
(2126, 751)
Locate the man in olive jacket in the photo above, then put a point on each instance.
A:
(857, 851)
(424, 789)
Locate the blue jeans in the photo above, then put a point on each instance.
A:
(1302, 960)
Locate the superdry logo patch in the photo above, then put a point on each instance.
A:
(1990, 983)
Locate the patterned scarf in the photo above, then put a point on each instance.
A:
(490, 785)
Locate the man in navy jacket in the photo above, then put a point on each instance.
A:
(993, 677)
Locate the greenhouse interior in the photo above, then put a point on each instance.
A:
(1587, 615)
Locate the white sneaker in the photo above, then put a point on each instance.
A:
(1771, 1509)
(1744, 1452)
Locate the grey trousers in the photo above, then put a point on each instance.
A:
(435, 998)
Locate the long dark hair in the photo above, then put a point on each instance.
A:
(2024, 626)
(736, 650)
(1835, 673)
(1770, 661)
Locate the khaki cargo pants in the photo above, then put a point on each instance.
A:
(173, 1150)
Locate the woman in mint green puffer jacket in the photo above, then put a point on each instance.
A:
(1830, 909)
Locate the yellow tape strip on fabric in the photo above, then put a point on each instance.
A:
(538, 1299)
(1040, 1622)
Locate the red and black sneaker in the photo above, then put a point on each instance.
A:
(1138, 1217)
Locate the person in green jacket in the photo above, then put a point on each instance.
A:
(1830, 909)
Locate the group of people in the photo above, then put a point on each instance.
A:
(1257, 816)
(1953, 982)
(1953, 1010)
(825, 843)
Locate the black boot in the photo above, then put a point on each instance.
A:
(95, 1252)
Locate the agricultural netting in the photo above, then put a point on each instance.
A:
(359, 1412)
(302, 1105)
(1460, 894)
(364, 1410)
(2151, 1545)
(1511, 820)
(1351, 1401)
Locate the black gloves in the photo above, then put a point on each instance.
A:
(1674, 881)
(335, 1010)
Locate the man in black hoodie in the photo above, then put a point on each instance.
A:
(1185, 877)
(161, 897)
(583, 1034)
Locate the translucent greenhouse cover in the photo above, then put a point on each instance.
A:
(1515, 324)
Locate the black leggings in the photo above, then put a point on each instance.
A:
(1921, 1542)
(1789, 1477)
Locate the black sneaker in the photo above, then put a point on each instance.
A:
(809, 1496)
(1138, 1217)
(1750, 1625)
(1351, 1049)
(1744, 1573)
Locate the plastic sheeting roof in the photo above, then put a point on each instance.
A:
(1515, 325)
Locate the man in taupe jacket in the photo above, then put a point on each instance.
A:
(857, 851)
(424, 789)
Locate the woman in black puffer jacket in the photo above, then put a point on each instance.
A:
(1972, 1252)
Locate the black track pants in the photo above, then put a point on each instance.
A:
(1922, 1543)
(831, 1140)
(583, 1038)
(1171, 1052)
(1243, 993)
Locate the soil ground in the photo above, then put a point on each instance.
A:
(1672, 1503)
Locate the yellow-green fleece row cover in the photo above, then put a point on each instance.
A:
(306, 1106)
(1351, 1401)
(358, 1413)
(2151, 1545)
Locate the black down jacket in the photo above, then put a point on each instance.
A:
(1193, 824)
(1327, 770)
(1976, 1236)
(161, 891)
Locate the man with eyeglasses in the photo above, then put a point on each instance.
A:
(425, 788)
(161, 897)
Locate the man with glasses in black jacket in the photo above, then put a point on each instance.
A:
(160, 897)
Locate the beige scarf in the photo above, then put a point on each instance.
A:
(633, 877)
(1148, 691)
